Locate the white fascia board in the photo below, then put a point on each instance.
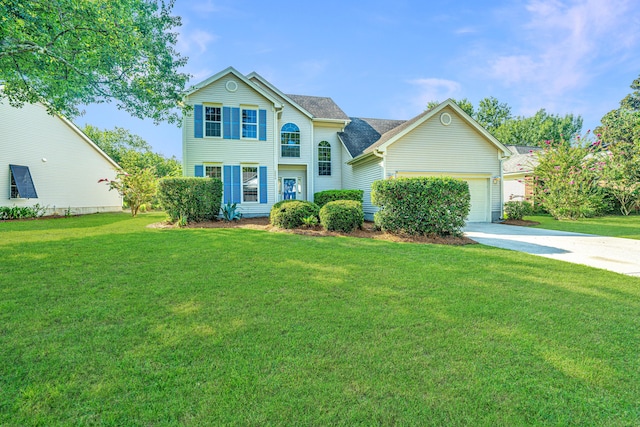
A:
(279, 92)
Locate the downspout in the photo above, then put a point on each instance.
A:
(276, 116)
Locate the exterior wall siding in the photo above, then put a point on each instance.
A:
(250, 152)
(68, 179)
(333, 182)
(362, 176)
(453, 149)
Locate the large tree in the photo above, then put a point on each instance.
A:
(65, 53)
(132, 152)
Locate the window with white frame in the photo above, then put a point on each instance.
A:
(249, 123)
(212, 121)
(290, 140)
(324, 158)
(249, 183)
(213, 171)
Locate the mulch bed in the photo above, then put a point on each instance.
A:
(520, 222)
(368, 231)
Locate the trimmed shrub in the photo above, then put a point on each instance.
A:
(292, 213)
(21, 212)
(323, 197)
(421, 206)
(342, 215)
(517, 209)
(190, 199)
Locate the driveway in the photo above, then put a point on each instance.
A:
(609, 253)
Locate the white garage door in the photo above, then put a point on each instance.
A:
(479, 191)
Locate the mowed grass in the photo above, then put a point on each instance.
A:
(612, 225)
(104, 321)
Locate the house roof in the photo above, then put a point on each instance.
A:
(320, 107)
(394, 131)
(523, 160)
(362, 133)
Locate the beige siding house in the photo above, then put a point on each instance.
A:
(48, 161)
(267, 146)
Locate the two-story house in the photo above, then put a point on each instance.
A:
(267, 146)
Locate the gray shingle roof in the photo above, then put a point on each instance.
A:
(361, 133)
(524, 159)
(320, 107)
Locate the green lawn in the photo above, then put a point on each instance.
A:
(613, 225)
(106, 322)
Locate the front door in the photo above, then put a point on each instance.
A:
(289, 187)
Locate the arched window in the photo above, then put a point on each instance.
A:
(324, 158)
(290, 140)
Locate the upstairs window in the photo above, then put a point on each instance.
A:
(212, 121)
(250, 124)
(324, 158)
(21, 186)
(290, 140)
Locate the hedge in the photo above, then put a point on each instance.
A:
(421, 206)
(323, 197)
(342, 215)
(189, 198)
(290, 213)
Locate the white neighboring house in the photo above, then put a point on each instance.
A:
(48, 161)
(267, 146)
(518, 173)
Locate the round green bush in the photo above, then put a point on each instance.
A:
(342, 215)
(291, 213)
(517, 209)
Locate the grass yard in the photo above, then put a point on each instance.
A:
(613, 225)
(104, 321)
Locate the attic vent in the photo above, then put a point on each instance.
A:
(445, 119)
(231, 86)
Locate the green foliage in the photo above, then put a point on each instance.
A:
(136, 188)
(323, 197)
(342, 215)
(491, 113)
(310, 221)
(132, 152)
(230, 212)
(190, 199)
(621, 176)
(21, 212)
(463, 103)
(517, 209)
(538, 129)
(291, 213)
(568, 178)
(421, 206)
(66, 53)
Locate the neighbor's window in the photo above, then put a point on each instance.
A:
(249, 123)
(212, 121)
(290, 140)
(249, 183)
(324, 158)
(213, 172)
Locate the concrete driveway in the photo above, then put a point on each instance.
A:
(609, 253)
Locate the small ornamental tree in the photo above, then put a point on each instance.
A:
(136, 188)
(568, 178)
(622, 175)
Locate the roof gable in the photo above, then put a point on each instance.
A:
(230, 70)
(320, 107)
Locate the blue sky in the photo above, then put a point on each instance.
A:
(388, 59)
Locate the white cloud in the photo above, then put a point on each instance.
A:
(564, 43)
(196, 41)
(432, 89)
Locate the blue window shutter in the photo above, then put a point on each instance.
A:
(263, 184)
(262, 120)
(235, 123)
(197, 121)
(199, 170)
(226, 178)
(226, 122)
(236, 182)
